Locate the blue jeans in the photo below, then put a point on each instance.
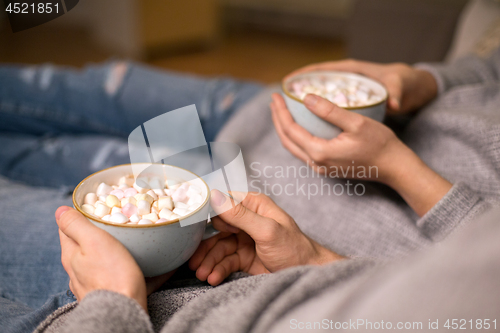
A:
(56, 127)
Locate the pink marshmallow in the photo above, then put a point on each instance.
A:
(179, 194)
(130, 192)
(117, 193)
(129, 209)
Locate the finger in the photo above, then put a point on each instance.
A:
(223, 248)
(285, 141)
(239, 215)
(330, 112)
(394, 88)
(222, 226)
(68, 250)
(75, 225)
(202, 250)
(297, 134)
(222, 270)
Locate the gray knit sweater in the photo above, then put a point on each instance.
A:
(458, 135)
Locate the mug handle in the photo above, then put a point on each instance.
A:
(210, 231)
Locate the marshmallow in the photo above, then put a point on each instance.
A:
(127, 180)
(144, 196)
(179, 194)
(161, 221)
(103, 189)
(181, 205)
(165, 214)
(89, 209)
(112, 201)
(101, 210)
(152, 194)
(125, 201)
(171, 182)
(151, 216)
(155, 183)
(90, 199)
(130, 209)
(117, 193)
(135, 218)
(115, 210)
(165, 202)
(102, 198)
(144, 207)
(145, 221)
(159, 192)
(123, 187)
(195, 199)
(130, 192)
(141, 186)
(118, 218)
(106, 218)
(181, 211)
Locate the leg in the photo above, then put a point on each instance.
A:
(30, 268)
(110, 99)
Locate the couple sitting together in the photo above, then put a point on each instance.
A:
(280, 264)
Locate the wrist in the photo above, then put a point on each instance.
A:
(322, 255)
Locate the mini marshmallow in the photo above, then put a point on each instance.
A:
(103, 198)
(101, 210)
(181, 211)
(161, 221)
(171, 182)
(123, 187)
(165, 202)
(152, 194)
(99, 202)
(89, 209)
(118, 218)
(144, 207)
(130, 209)
(117, 193)
(154, 210)
(144, 196)
(135, 218)
(141, 186)
(115, 210)
(145, 221)
(159, 192)
(103, 189)
(106, 218)
(125, 201)
(179, 194)
(90, 199)
(112, 201)
(127, 180)
(165, 214)
(181, 205)
(130, 192)
(195, 199)
(151, 216)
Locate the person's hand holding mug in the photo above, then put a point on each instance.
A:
(95, 260)
(409, 88)
(257, 237)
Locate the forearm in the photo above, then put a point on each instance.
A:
(418, 185)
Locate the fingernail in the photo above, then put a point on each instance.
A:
(61, 210)
(311, 99)
(218, 198)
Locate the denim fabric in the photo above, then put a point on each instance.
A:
(56, 127)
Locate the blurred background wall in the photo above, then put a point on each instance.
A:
(260, 40)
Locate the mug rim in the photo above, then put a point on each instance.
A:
(177, 220)
(286, 79)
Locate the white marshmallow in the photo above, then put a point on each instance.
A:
(135, 218)
(165, 214)
(155, 183)
(144, 196)
(118, 218)
(126, 180)
(88, 208)
(99, 202)
(165, 202)
(181, 205)
(101, 210)
(106, 218)
(125, 201)
(144, 207)
(171, 182)
(159, 192)
(152, 217)
(195, 199)
(145, 221)
(102, 198)
(115, 210)
(90, 198)
(181, 211)
(141, 186)
(103, 189)
(152, 194)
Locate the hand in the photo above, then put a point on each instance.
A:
(95, 260)
(267, 239)
(364, 144)
(409, 88)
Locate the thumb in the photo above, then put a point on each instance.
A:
(74, 225)
(394, 90)
(238, 215)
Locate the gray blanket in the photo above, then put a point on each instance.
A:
(458, 136)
